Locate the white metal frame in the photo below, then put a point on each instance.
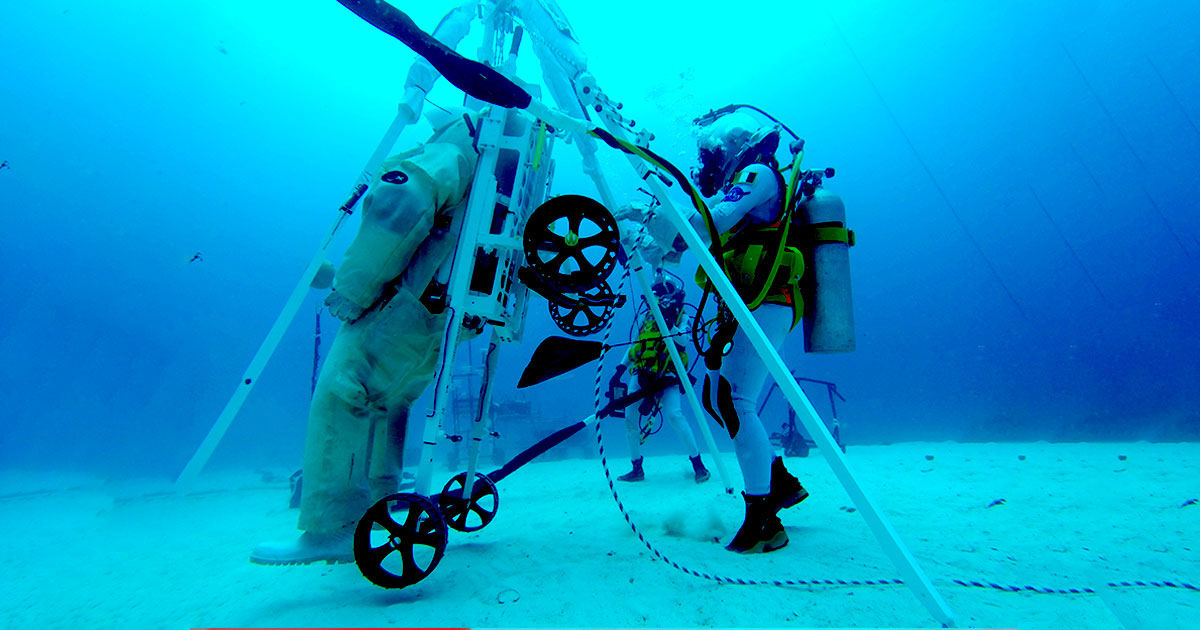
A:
(574, 90)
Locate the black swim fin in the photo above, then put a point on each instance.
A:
(479, 80)
(558, 355)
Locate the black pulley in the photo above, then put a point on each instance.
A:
(587, 313)
(400, 540)
(572, 241)
(469, 515)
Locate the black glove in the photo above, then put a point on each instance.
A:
(616, 377)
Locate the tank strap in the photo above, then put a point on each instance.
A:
(823, 235)
(829, 232)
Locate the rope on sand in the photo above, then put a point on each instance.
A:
(818, 581)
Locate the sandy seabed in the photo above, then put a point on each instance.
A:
(84, 553)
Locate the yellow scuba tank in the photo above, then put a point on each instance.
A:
(828, 306)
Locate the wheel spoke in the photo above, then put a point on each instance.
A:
(602, 239)
(379, 515)
(409, 564)
(393, 528)
(482, 513)
(414, 518)
(428, 539)
(585, 265)
(376, 555)
(574, 219)
(558, 260)
(593, 318)
(553, 242)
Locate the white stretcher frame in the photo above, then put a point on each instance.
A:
(565, 73)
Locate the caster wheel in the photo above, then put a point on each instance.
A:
(473, 515)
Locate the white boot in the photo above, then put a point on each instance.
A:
(307, 548)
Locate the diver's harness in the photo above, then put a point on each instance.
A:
(766, 263)
(650, 363)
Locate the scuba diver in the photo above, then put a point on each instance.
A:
(650, 363)
(764, 249)
(384, 356)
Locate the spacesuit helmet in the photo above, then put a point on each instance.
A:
(728, 143)
(668, 290)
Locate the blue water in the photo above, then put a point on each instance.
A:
(138, 135)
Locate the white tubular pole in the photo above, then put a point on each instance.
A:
(639, 270)
(587, 150)
(562, 54)
(481, 201)
(485, 401)
(913, 576)
(271, 342)
(420, 80)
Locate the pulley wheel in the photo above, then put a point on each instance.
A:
(587, 315)
(571, 242)
(400, 540)
(472, 515)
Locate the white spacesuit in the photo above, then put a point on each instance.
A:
(387, 350)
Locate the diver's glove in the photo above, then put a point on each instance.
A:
(632, 211)
(635, 237)
(678, 247)
(660, 228)
(615, 381)
(648, 231)
(616, 390)
(342, 307)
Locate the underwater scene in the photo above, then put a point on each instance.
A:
(538, 313)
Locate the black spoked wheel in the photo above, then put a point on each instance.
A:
(400, 540)
(572, 241)
(587, 314)
(472, 515)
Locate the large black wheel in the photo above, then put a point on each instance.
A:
(571, 241)
(400, 540)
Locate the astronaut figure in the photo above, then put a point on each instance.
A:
(387, 350)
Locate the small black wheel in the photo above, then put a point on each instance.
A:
(399, 540)
(587, 314)
(571, 241)
(483, 504)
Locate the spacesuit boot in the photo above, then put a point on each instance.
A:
(309, 547)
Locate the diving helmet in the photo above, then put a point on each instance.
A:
(668, 290)
(728, 143)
